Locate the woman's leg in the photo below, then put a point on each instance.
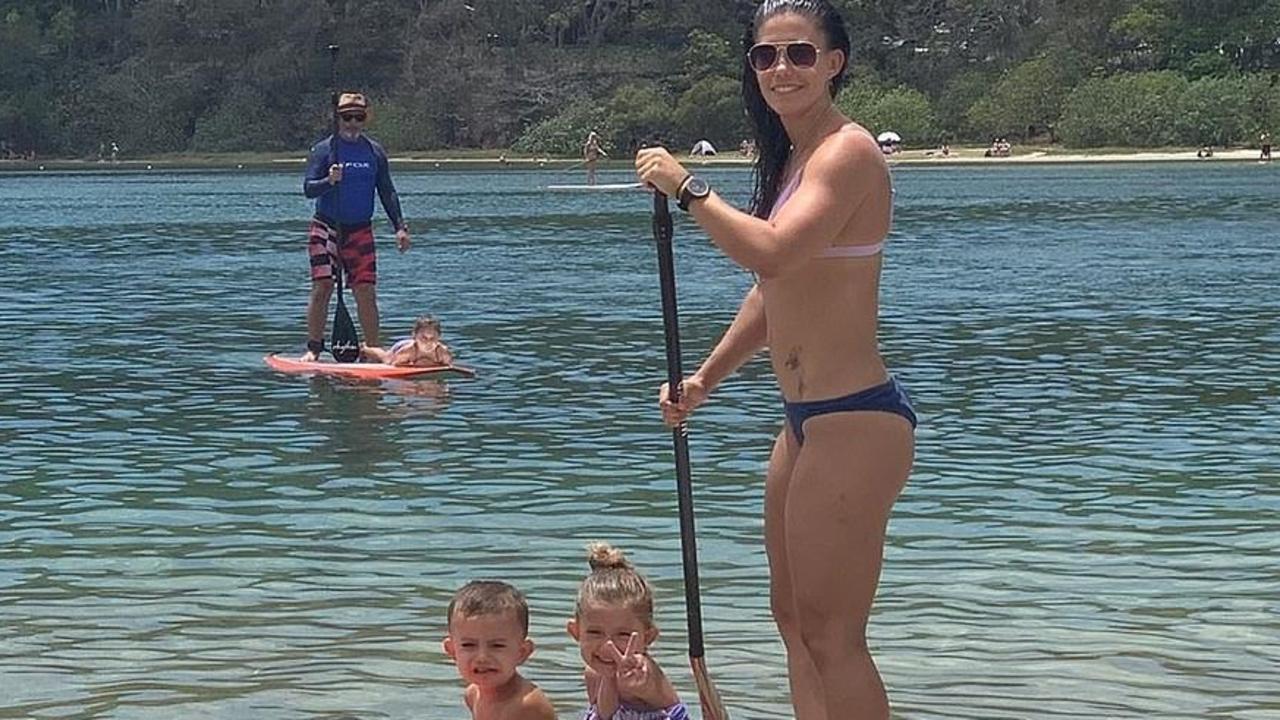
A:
(806, 688)
(841, 490)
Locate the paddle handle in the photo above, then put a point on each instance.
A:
(662, 233)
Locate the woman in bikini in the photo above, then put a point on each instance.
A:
(819, 216)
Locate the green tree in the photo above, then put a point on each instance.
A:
(900, 109)
(1028, 100)
(1214, 110)
(565, 133)
(709, 55)
(712, 109)
(962, 92)
(637, 112)
(1129, 109)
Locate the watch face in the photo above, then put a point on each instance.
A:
(698, 187)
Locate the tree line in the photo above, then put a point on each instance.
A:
(207, 76)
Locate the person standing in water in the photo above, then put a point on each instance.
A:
(820, 213)
(343, 192)
(591, 153)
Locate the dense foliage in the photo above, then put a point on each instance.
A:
(160, 76)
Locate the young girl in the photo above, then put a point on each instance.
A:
(613, 624)
(423, 349)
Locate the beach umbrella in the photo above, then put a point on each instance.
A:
(703, 147)
(888, 137)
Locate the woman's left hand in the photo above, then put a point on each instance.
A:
(658, 169)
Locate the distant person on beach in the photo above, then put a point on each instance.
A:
(820, 213)
(488, 641)
(1265, 141)
(344, 192)
(1205, 151)
(613, 625)
(591, 153)
(423, 348)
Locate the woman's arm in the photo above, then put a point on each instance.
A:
(747, 334)
(839, 177)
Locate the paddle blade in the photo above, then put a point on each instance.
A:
(708, 696)
(346, 343)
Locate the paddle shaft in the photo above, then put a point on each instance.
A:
(348, 349)
(333, 155)
(662, 233)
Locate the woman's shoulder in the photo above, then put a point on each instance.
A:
(854, 141)
(850, 151)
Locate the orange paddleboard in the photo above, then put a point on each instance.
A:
(370, 371)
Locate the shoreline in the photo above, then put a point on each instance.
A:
(488, 160)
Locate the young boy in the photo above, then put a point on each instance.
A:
(488, 640)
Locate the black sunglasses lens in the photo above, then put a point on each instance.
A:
(802, 55)
(762, 57)
(353, 117)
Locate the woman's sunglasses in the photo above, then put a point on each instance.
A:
(353, 117)
(800, 54)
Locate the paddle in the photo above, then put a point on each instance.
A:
(346, 343)
(708, 696)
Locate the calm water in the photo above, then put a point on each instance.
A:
(1093, 528)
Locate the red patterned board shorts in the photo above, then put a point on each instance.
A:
(357, 253)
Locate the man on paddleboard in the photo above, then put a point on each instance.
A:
(343, 192)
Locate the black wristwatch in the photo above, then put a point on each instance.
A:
(693, 188)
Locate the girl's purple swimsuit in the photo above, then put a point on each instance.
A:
(631, 712)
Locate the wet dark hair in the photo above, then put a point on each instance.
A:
(772, 142)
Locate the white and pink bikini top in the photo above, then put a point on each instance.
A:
(834, 251)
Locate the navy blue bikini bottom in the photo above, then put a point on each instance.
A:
(889, 397)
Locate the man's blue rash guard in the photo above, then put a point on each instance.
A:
(364, 169)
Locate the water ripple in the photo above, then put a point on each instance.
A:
(1090, 530)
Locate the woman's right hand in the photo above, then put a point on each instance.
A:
(335, 174)
(693, 392)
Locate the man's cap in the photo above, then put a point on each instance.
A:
(352, 101)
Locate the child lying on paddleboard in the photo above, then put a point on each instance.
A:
(423, 349)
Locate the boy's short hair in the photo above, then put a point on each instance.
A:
(489, 597)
